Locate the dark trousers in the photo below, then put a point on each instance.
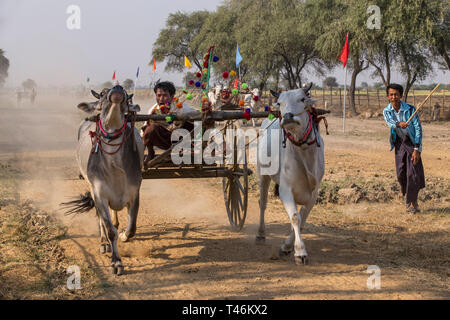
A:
(411, 176)
(156, 135)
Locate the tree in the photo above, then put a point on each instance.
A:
(408, 40)
(435, 29)
(292, 40)
(364, 85)
(175, 40)
(107, 84)
(29, 84)
(219, 30)
(330, 82)
(261, 28)
(4, 66)
(128, 84)
(344, 17)
(404, 43)
(378, 85)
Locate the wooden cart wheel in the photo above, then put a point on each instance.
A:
(235, 190)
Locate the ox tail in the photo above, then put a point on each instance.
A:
(276, 190)
(82, 205)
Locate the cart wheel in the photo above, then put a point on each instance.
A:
(235, 191)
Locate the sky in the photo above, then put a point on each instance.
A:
(113, 35)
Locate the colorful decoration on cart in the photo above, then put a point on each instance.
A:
(247, 114)
(271, 116)
(170, 118)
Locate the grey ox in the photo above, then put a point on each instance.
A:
(110, 161)
(298, 151)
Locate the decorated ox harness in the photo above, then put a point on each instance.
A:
(313, 125)
(100, 135)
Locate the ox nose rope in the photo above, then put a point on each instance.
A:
(313, 125)
(98, 136)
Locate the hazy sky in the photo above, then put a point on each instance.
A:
(114, 35)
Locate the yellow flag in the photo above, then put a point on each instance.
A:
(187, 63)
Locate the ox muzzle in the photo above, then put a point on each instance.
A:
(288, 121)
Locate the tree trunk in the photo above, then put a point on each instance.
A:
(441, 48)
(358, 66)
(351, 93)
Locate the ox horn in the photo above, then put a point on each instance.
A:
(306, 90)
(95, 94)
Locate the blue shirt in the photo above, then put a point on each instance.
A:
(414, 129)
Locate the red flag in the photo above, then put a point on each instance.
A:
(154, 64)
(344, 53)
(114, 76)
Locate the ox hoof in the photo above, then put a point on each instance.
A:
(284, 254)
(260, 240)
(116, 268)
(119, 270)
(301, 260)
(104, 248)
(123, 237)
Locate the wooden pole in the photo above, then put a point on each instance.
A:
(443, 99)
(378, 96)
(331, 96)
(359, 98)
(368, 100)
(345, 94)
(422, 103)
(323, 96)
(340, 98)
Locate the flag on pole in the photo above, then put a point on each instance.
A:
(187, 63)
(343, 58)
(344, 53)
(137, 73)
(154, 64)
(114, 75)
(238, 57)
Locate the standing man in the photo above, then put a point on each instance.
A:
(407, 141)
(159, 134)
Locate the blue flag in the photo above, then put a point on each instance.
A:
(137, 73)
(238, 57)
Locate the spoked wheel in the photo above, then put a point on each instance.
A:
(235, 188)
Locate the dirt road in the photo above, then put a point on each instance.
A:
(184, 247)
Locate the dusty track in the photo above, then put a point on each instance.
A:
(184, 248)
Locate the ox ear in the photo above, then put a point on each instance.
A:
(134, 107)
(87, 107)
(130, 97)
(275, 94)
(95, 94)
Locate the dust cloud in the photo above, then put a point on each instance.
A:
(39, 140)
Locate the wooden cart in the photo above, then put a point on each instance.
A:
(234, 176)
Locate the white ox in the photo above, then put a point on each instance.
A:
(214, 97)
(301, 166)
